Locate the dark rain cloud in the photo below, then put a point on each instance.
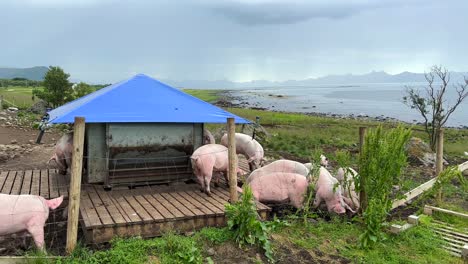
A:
(289, 12)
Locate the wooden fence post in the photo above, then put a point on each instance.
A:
(362, 193)
(232, 160)
(440, 160)
(75, 183)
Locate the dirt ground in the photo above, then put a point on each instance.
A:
(18, 148)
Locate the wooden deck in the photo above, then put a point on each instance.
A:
(147, 211)
(151, 211)
(46, 183)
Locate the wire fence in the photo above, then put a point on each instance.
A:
(137, 177)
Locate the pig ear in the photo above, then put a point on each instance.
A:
(54, 203)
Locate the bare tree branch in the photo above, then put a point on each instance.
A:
(433, 106)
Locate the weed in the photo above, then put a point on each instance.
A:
(214, 235)
(380, 164)
(243, 220)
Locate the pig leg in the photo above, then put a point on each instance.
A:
(207, 180)
(317, 200)
(37, 232)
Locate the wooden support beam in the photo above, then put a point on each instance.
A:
(440, 152)
(430, 209)
(75, 183)
(464, 252)
(362, 193)
(413, 219)
(232, 160)
(413, 193)
(396, 229)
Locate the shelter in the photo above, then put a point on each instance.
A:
(140, 130)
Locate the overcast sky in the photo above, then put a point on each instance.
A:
(238, 40)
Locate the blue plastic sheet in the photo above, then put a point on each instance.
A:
(141, 99)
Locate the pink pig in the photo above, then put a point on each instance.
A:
(350, 196)
(248, 147)
(279, 187)
(26, 213)
(208, 137)
(208, 159)
(63, 153)
(328, 189)
(288, 166)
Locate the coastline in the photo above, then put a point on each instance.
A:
(227, 99)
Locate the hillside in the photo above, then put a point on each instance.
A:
(35, 73)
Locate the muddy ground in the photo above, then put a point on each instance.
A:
(18, 148)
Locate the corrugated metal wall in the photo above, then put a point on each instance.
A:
(141, 152)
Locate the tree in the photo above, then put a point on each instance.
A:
(81, 90)
(57, 89)
(432, 105)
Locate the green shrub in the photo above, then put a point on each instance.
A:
(380, 165)
(243, 220)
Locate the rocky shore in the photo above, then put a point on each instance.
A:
(227, 99)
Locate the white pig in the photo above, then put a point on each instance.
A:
(248, 147)
(26, 213)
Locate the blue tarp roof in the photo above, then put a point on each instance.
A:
(141, 99)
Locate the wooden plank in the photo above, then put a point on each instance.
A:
(451, 238)
(26, 187)
(165, 208)
(91, 216)
(3, 177)
(142, 213)
(44, 184)
(181, 198)
(119, 207)
(16, 189)
(9, 182)
(100, 207)
(149, 208)
(460, 235)
(53, 184)
(206, 208)
(463, 167)
(132, 214)
(35, 182)
(433, 208)
(215, 206)
(413, 193)
(111, 208)
(175, 208)
(62, 184)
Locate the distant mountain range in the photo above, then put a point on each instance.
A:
(347, 79)
(37, 73)
(34, 73)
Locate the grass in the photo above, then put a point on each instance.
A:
(338, 237)
(205, 95)
(327, 240)
(20, 97)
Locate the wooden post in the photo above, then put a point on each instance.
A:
(75, 183)
(232, 160)
(440, 160)
(440, 152)
(362, 193)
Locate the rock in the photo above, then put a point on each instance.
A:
(3, 118)
(31, 141)
(12, 109)
(3, 156)
(396, 188)
(39, 107)
(14, 141)
(419, 153)
(211, 252)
